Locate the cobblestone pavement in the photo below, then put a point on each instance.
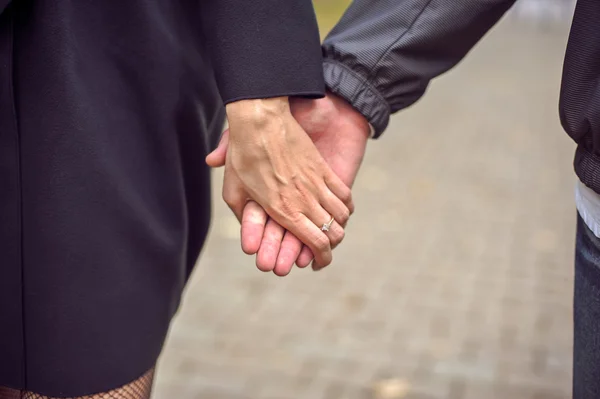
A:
(455, 279)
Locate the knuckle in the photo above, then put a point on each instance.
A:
(295, 217)
(326, 262)
(346, 195)
(224, 195)
(285, 219)
(283, 206)
(228, 197)
(350, 207)
(303, 193)
(344, 216)
(322, 243)
(338, 237)
(299, 182)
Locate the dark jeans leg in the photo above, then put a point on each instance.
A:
(586, 316)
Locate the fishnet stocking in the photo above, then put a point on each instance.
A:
(138, 389)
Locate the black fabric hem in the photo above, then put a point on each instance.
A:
(310, 94)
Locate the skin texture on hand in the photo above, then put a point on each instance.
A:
(271, 161)
(340, 134)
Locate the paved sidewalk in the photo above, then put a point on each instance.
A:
(455, 279)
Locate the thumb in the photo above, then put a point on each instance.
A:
(217, 158)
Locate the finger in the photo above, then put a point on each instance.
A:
(340, 190)
(335, 232)
(235, 201)
(306, 256)
(269, 247)
(233, 194)
(238, 210)
(316, 267)
(308, 232)
(217, 158)
(254, 219)
(339, 211)
(288, 253)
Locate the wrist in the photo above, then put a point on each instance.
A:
(351, 114)
(257, 112)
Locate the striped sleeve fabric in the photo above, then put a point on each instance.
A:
(382, 54)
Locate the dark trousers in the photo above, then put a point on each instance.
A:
(586, 349)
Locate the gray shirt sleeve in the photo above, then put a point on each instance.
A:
(382, 54)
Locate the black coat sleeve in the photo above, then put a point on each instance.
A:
(263, 48)
(382, 55)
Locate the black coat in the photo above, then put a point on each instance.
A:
(107, 110)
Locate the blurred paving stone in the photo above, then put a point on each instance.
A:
(456, 274)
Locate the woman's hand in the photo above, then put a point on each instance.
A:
(340, 135)
(271, 160)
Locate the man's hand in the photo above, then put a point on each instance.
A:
(340, 134)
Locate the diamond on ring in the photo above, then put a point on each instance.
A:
(327, 226)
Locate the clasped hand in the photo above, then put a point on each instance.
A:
(288, 171)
